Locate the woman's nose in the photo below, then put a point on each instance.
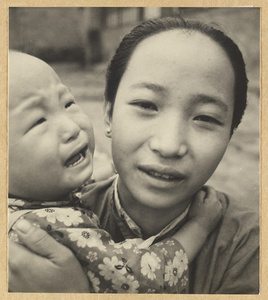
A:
(69, 129)
(170, 139)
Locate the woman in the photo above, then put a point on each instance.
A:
(175, 92)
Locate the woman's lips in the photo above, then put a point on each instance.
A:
(162, 176)
(77, 158)
(163, 173)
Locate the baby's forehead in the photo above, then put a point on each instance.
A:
(33, 95)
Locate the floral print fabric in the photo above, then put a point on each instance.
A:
(111, 267)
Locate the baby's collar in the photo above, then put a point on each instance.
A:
(74, 200)
(24, 203)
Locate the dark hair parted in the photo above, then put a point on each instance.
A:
(146, 29)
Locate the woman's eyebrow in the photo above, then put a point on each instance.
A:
(150, 86)
(206, 99)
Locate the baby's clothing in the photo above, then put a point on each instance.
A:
(131, 266)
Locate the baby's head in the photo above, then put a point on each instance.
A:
(51, 141)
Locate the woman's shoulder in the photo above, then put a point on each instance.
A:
(230, 255)
(236, 207)
(238, 217)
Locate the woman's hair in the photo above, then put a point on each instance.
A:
(146, 29)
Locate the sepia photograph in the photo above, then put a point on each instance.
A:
(134, 150)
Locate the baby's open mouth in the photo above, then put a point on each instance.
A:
(76, 158)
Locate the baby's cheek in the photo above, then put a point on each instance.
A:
(85, 123)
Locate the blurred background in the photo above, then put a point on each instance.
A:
(78, 43)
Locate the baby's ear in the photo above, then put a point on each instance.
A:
(108, 108)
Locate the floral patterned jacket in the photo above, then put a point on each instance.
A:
(131, 266)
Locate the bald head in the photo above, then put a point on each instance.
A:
(27, 72)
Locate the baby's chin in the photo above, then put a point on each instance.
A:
(65, 194)
(84, 180)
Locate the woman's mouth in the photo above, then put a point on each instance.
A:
(160, 176)
(77, 158)
(166, 174)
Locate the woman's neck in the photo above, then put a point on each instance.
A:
(151, 220)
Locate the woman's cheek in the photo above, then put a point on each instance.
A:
(214, 156)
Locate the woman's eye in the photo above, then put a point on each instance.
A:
(207, 119)
(69, 104)
(146, 105)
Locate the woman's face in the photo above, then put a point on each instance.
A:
(172, 119)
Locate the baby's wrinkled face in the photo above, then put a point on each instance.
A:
(51, 141)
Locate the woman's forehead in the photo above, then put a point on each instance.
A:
(189, 44)
(183, 55)
(181, 64)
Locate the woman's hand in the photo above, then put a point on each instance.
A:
(47, 267)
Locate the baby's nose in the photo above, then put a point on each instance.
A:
(69, 129)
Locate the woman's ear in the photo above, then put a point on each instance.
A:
(108, 118)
